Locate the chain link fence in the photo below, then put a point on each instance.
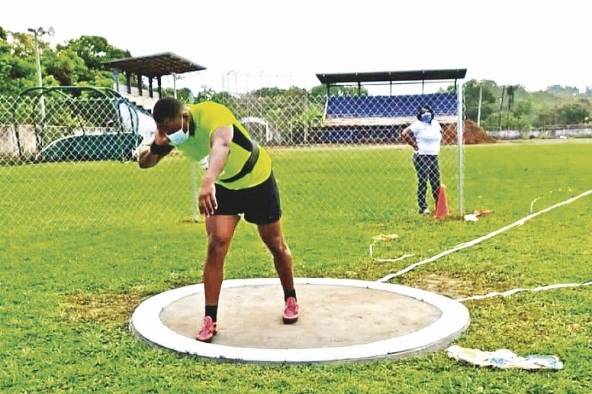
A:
(68, 159)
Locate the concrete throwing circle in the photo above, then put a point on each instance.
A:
(340, 320)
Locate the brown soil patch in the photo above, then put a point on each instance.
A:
(472, 134)
(444, 285)
(102, 308)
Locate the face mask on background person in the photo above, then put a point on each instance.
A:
(426, 117)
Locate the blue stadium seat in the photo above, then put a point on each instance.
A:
(380, 119)
(443, 104)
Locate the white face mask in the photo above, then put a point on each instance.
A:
(178, 137)
(426, 117)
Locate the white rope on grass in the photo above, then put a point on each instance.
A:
(403, 257)
(533, 201)
(371, 249)
(474, 242)
(519, 290)
(386, 238)
(569, 190)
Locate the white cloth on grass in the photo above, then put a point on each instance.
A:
(428, 137)
(504, 359)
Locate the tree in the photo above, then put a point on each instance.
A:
(267, 92)
(471, 98)
(293, 91)
(574, 113)
(23, 45)
(321, 91)
(563, 90)
(208, 94)
(184, 95)
(65, 66)
(94, 50)
(17, 64)
(78, 62)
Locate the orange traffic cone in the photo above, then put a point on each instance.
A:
(441, 204)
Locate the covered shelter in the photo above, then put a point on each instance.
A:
(373, 117)
(391, 78)
(152, 67)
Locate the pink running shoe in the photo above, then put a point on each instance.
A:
(291, 311)
(207, 330)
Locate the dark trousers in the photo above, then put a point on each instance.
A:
(427, 169)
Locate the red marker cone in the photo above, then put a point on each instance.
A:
(441, 204)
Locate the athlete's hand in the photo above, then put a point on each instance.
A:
(207, 197)
(160, 138)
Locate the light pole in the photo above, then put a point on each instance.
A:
(226, 78)
(479, 107)
(174, 85)
(36, 33)
(176, 77)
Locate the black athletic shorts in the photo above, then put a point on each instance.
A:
(259, 204)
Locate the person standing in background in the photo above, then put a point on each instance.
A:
(425, 136)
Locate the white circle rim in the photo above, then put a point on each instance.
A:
(145, 322)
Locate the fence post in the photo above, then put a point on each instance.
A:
(460, 147)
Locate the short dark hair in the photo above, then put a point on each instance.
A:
(423, 109)
(166, 108)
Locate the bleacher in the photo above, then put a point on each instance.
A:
(372, 111)
(152, 67)
(143, 101)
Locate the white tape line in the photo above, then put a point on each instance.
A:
(403, 257)
(372, 249)
(532, 203)
(569, 190)
(519, 290)
(371, 252)
(474, 242)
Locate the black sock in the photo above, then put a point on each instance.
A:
(289, 293)
(212, 311)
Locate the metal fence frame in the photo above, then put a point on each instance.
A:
(285, 124)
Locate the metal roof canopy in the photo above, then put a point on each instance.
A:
(392, 76)
(155, 65)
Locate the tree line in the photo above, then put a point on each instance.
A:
(78, 62)
(513, 107)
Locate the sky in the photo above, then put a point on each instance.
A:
(247, 44)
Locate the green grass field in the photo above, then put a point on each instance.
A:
(67, 288)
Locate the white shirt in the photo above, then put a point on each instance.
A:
(428, 137)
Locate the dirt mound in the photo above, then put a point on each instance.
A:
(472, 134)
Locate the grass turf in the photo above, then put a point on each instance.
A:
(116, 235)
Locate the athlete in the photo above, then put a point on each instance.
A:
(238, 181)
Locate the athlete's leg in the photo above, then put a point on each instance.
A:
(220, 229)
(272, 236)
